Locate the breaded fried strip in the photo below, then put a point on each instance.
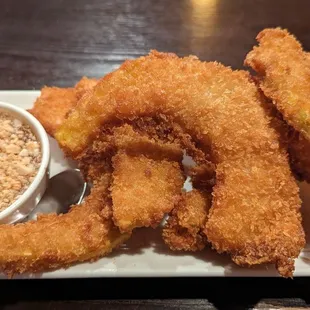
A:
(184, 228)
(272, 229)
(284, 69)
(299, 150)
(53, 105)
(143, 190)
(136, 143)
(85, 233)
(97, 157)
(255, 214)
(83, 86)
(284, 75)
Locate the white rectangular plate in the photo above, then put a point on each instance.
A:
(145, 254)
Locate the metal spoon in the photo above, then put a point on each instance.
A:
(64, 189)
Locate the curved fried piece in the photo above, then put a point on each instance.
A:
(83, 86)
(143, 190)
(184, 227)
(54, 241)
(284, 74)
(137, 143)
(284, 70)
(255, 214)
(299, 150)
(297, 145)
(53, 105)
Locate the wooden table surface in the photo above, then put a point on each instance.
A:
(55, 42)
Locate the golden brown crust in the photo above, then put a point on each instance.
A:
(137, 149)
(143, 190)
(284, 70)
(126, 138)
(184, 228)
(284, 74)
(154, 151)
(85, 233)
(84, 85)
(299, 150)
(256, 197)
(138, 143)
(54, 104)
(52, 107)
(273, 241)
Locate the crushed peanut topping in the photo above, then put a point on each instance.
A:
(20, 159)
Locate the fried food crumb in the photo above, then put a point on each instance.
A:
(143, 190)
(54, 104)
(184, 228)
(283, 68)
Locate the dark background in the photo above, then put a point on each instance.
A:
(56, 42)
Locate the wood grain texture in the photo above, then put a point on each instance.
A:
(55, 42)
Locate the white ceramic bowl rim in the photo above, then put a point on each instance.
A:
(45, 149)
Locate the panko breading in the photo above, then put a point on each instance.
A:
(297, 145)
(54, 241)
(53, 105)
(97, 157)
(83, 86)
(255, 214)
(184, 228)
(143, 190)
(138, 143)
(284, 71)
(136, 153)
(299, 150)
(203, 177)
(284, 75)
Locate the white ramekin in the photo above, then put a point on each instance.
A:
(30, 198)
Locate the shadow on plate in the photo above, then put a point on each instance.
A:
(150, 239)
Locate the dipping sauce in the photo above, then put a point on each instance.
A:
(20, 158)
